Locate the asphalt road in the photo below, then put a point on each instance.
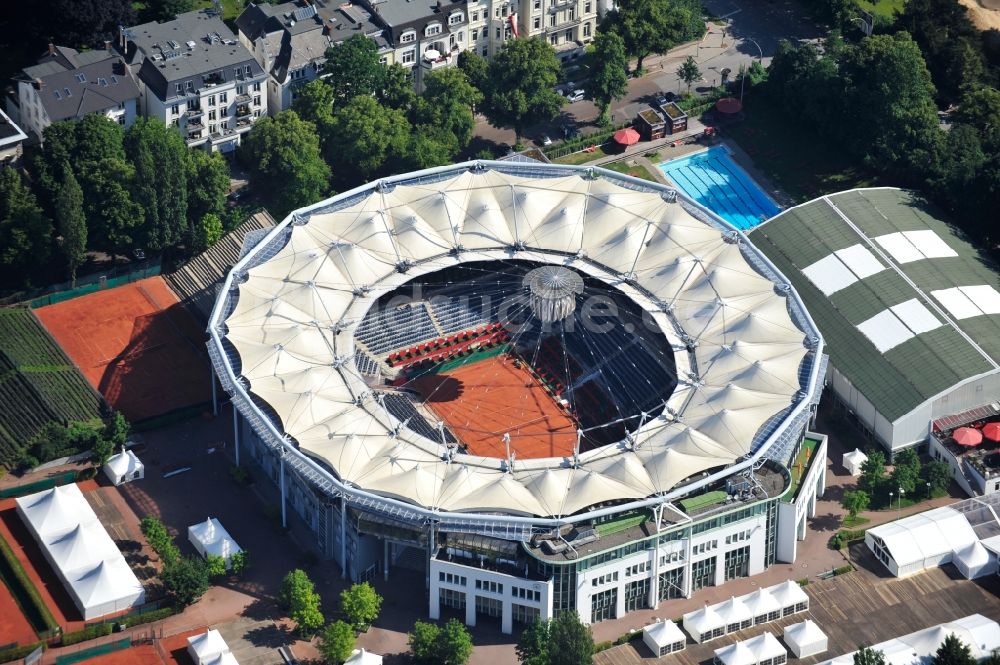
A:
(751, 32)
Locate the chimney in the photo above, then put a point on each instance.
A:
(38, 84)
(52, 48)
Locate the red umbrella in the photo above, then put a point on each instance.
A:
(966, 436)
(627, 136)
(991, 431)
(728, 105)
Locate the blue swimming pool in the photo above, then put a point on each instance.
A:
(714, 180)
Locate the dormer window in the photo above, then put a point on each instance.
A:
(455, 18)
(432, 29)
(407, 37)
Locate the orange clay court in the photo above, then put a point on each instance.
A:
(482, 401)
(136, 344)
(14, 627)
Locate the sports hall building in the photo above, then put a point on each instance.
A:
(545, 387)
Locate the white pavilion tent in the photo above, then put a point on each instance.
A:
(211, 538)
(805, 639)
(664, 637)
(704, 624)
(791, 597)
(209, 647)
(974, 561)
(925, 540)
(363, 657)
(763, 605)
(735, 613)
(80, 551)
(763, 648)
(853, 461)
(124, 467)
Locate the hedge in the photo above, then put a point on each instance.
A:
(88, 633)
(148, 617)
(34, 608)
(843, 570)
(17, 653)
(603, 646)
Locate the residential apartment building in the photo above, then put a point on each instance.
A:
(195, 75)
(289, 41)
(11, 139)
(424, 35)
(67, 84)
(569, 25)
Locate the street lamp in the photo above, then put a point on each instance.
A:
(928, 490)
(899, 506)
(891, 494)
(759, 49)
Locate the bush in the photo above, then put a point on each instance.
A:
(603, 646)
(630, 636)
(148, 617)
(159, 539)
(17, 653)
(88, 633)
(25, 594)
(803, 582)
(843, 570)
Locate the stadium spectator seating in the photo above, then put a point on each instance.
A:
(391, 329)
(401, 405)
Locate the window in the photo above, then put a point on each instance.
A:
(189, 86)
(586, 30)
(432, 29)
(211, 114)
(178, 88)
(256, 87)
(552, 20)
(496, 13)
(536, 23)
(602, 605)
(475, 16)
(407, 37)
(636, 595)
(384, 60)
(81, 78)
(672, 584)
(571, 14)
(569, 35)
(538, 5)
(256, 100)
(703, 573)
(498, 32)
(486, 52)
(604, 579)
(526, 594)
(247, 70)
(224, 98)
(475, 34)
(211, 129)
(211, 100)
(586, 8)
(458, 580)
(224, 112)
(490, 607)
(487, 585)
(175, 109)
(524, 614)
(121, 120)
(455, 18)
(637, 569)
(409, 57)
(452, 598)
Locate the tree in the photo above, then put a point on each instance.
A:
(314, 103)
(239, 562)
(364, 137)
(85, 23)
(207, 184)
(282, 155)
(475, 67)
(298, 595)
(520, 85)
(353, 68)
(938, 474)
(608, 76)
(855, 502)
(336, 642)
(872, 472)
(116, 429)
(72, 223)
(25, 231)
(160, 158)
(688, 71)
(207, 232)
(868, 656)
(166, 10)
(654, 26)
(570, 641)
(447, 104)
(186, 580)
(102, 450)
(396, 88)
(216, 566)
(447, 645)
(113, 218)
(533, 646)
(953, 651)
(361, 604)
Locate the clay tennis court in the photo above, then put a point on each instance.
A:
(14, 627)
(136, 344)
(482, 401)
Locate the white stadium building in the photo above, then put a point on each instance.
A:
(546, 387)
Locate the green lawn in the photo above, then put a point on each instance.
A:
(581, 157)
(636, 171)
(883, 7)
(230, 8)
(798, 160)
(849, 523)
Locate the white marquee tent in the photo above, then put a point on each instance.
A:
(925, 540)
(363, 657)
(663, 637)
(209, 647)
(124, 467)
(853, 461)
(81, 552)
(805, 639)
(704, 624)
(981, 634)
(763, 648)
(211, 538)
(761, 606)
(791, 597)
(974, 561)
(735, 613)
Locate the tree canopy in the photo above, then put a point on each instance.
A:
(570, 641)
(25, 231)
(431, 644)
(868, 656)
(608, 73)
(533, 645)
(361, 604)
(72, 223)
(364, 136)
(953, 651)
(654, 26)
(520, 85)
(186, 579)
(354, 68)
(298, 595)
(336, 642)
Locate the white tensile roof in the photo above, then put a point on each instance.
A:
(105, 583)
(207, 646)
(734, 610)
(703, 620)
(663, 633)
(54, 510)
(806, 639)
(210, 537)
(123, 464)
(981, 634)
(363, 657)
(748, 652)
(293, 327)
(789, 593)
(762, 601)
(926, 535)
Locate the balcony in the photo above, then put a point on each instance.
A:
(194, 113)
(243, 99)
(434, 60)
(194, 138)
(243, 110)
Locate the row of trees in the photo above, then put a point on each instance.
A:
(100, 188)
(564, 640)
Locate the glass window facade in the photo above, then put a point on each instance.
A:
(602, 605)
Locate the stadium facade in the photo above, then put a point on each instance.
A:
(546, 387)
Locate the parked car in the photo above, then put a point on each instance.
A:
(576, 96)
(544, 140)
(139, 254)
(665, 98)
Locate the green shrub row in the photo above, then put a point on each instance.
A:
(603, 646)
(34, 608)
(840, 539)
(88, 633)
(17, 653)
(843, 570)
(159, 539)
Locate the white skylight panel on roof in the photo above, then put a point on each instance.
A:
(885, 330)
(984, 296)
(860, 261)
(915, 316)
(899, 247)
(829, 274)
(957, 303)
(929, 243)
